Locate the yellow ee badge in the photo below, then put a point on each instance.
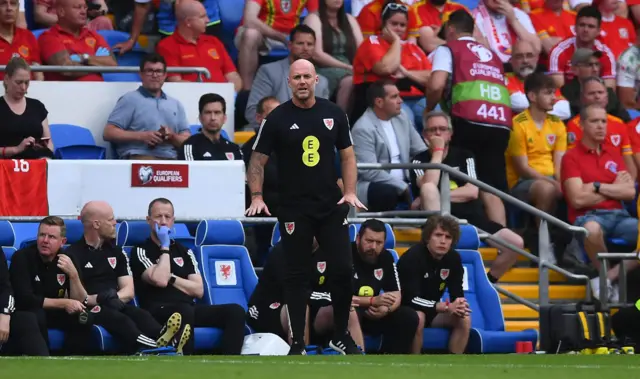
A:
(365, 291)
(61, 293)
(452, 185)
(311, 156)
(442, 286)
(321, 281)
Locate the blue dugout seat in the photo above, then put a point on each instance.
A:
(75, 232)
(488, 333)
(228, 273)
(132, 233)
(131, 58)
(7, 239)
(75, 142)
(231, 12)
(195, 129)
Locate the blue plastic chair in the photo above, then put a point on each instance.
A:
(38, 32)
(75, 142)
(195, 129)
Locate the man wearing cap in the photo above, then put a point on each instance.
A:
(595, 182)
(587, 63)
(587, 31)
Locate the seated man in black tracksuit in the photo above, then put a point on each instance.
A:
(168, 280)
(107, 278)
(320, 307)
(426, 270)
(268, 313)
(48, 294)
(377, 291)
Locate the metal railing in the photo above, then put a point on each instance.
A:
(622, 277)
(544, 247)
(117, 69)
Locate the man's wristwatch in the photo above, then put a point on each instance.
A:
(85, 302)
(85, 59)
(596, 186)
(172, 280)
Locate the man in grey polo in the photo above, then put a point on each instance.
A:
(146, 123)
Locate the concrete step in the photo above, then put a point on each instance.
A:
(518, 312)
(516, 326)
(556, 292)
(489, 254)
(529, 275)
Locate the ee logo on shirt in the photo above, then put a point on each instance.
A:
(310, 156)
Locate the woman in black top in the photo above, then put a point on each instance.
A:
(24, 127)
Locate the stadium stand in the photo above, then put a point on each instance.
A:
(75, 142)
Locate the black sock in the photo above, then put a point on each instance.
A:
(492, 278)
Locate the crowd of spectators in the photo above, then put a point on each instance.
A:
(572, 73)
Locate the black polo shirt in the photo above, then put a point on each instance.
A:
(424, 279)
(7, 302)
(369, 279)
(183, 263)
(33, 279)
(99, 268)
(199, 147)
(305, 139)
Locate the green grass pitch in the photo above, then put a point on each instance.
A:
(328, 367)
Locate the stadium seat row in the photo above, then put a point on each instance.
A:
(229, 277)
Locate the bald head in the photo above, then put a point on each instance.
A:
(302, 81)
(188, 8)
(94, 210)
(302, 65)
(523, 46)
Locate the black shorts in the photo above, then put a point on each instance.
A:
(265, 318)
(488, 145)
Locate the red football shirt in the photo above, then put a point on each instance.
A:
(590, 166)
(23, 187)
(24, 45)
(618, 34)
(207, 52)
(55, 40)
(283, 15)
(374, 48)
(426, 14)
(633, 129)
(560, 59)
(617, 135)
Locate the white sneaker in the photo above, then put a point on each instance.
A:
(595, 287)
(612, 290)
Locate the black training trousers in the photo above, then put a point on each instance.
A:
(397, 328)
(626, 323)
(132, 326)
(297, 229)
(29, 332)
(228, 317)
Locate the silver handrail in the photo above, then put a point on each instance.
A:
(116, 69)
(544, 238)
(483, 186)
(622, 277)
(248, 220)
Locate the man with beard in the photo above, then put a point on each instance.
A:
(269, 80)
(377, 291)
(524, 61)
(209, 145)
(538, 142)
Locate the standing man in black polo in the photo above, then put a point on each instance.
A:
(168, 280)
(209, 144)
(303, 133)
(377, 291)
(48, 293)
(107, 278)
(468, 81)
